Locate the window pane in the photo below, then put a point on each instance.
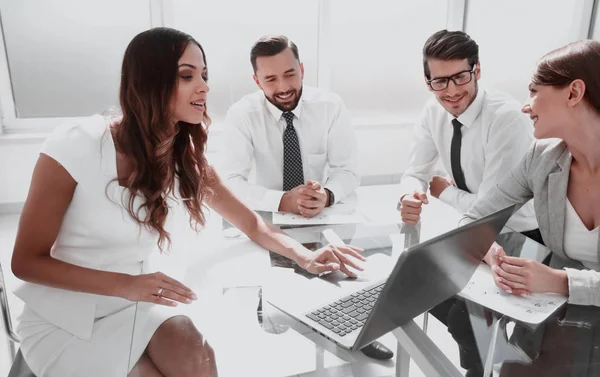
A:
(376, 57)
(509, 50)
(65, 55)
(227, 37)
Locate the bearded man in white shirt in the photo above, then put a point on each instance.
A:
(298, 139)
(479, 135)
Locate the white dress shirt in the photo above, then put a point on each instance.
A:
(495, 136)
(252, 153)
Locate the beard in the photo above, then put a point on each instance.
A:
(288, 105)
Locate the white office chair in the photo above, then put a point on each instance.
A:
(19, 367)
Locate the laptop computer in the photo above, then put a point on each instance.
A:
(354, 312)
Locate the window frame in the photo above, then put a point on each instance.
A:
(161, 14)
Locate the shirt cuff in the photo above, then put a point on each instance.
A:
(447, 196)
(271, 200)
(581, 284)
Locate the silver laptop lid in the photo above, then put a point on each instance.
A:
(429, 273)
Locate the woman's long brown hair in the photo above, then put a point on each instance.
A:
(160, 152)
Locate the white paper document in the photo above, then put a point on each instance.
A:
(533, 309)
(340, 213)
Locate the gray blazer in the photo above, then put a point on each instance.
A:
(543, 173)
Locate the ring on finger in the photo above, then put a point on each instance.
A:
(160, 291)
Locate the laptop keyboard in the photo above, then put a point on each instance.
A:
(349, 313)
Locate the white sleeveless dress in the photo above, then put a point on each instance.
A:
(65, 333)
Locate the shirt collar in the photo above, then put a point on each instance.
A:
(472, 112)
(277, 113)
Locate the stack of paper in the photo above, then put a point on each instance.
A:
(341, 213)
(533, 309)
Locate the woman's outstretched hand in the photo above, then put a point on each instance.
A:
(333, 258)
(157, 288)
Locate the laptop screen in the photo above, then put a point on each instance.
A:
(432, 272)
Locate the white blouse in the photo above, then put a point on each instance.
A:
(580, 243)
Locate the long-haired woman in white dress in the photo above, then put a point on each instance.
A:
(99, 200)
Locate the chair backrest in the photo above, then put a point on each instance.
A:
(19, 367)
(7, 322)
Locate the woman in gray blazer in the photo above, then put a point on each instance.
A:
(562, 171)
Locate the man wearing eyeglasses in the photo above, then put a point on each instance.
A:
(478, 134)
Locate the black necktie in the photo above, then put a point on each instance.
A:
(457, 172)
(293, 174)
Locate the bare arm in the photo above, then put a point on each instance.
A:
(272, 238)
(49, 196)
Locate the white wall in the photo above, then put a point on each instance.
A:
(227, 38)
(511, 42)
(375, 55)
(17, 159)
(65, 55)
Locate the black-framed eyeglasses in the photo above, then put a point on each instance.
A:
(460, 78)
